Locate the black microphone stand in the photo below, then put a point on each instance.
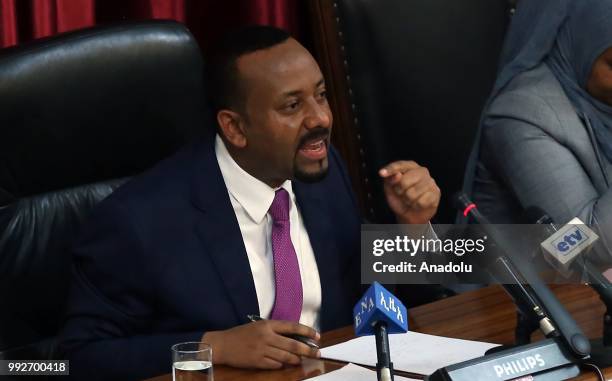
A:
(601, 349)
(525, 327)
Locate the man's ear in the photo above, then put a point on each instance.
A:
(232, 127)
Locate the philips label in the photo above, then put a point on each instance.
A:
(519, 366)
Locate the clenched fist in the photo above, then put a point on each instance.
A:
(412, 194)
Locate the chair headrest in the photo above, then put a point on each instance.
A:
(98, 103)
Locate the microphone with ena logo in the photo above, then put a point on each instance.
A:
(379, 313)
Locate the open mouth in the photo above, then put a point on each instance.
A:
(314, 149)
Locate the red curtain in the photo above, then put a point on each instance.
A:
(8, 23)
(23, 20)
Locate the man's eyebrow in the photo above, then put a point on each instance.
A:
(291, 93)
(298, 92)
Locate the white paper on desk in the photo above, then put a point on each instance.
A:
(410, 352)
(354, 372)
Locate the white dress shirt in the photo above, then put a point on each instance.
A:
(251, 199)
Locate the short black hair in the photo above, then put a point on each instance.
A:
(222, 72)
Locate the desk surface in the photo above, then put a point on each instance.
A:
(486, 315)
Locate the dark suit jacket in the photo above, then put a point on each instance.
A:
(162, 261)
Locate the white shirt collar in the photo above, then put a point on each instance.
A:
(254, 195)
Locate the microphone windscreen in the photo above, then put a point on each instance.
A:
(379, 305)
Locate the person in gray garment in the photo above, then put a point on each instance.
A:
(545, 138)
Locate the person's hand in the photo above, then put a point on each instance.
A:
(412, 194)
(261, 344)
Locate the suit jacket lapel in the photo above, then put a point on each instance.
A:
(220, 233)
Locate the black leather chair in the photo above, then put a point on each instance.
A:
(80, 113)
(408, 80)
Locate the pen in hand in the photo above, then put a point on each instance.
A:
(302, 339)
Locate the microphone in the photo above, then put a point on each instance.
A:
(563, 322)
(511, 279)
(379, 313)
(581, 238)
(565, 245)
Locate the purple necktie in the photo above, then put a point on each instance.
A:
(288, 300)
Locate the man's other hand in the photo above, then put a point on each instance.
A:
(261, 344)
(412, 194)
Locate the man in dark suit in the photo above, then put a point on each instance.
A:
(260, 220)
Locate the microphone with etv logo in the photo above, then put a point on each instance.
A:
(568, 328)
(379, 313)
(565, 246)
(551, 359)
(565, 250)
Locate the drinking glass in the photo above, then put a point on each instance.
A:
(192, 361)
